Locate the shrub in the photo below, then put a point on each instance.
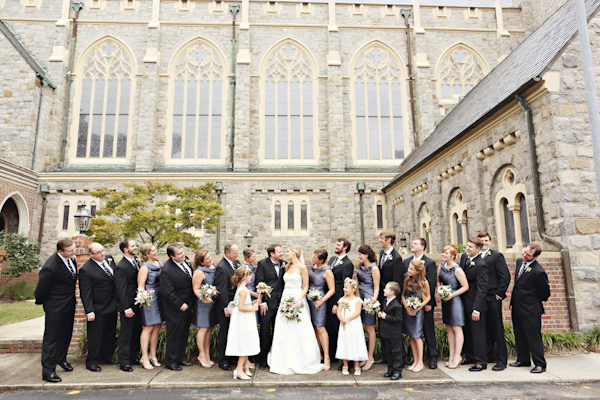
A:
(21, 256)
(20, 290)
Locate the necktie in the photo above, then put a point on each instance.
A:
(522, 269)
(384, 258)
(72, 270)
(187, 272)
(135, 264)
(105, 268)
(335, 260)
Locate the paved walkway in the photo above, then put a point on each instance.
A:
(30, 331)
(23, 372)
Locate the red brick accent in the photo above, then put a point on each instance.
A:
(28, 194)
(21, 348)
(82, 255)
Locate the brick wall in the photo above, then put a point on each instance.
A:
(28, 194)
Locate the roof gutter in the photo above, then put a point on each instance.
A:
(564, 249)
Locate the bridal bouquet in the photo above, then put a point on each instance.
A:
(289, 309)
(263, 288)
(314, 295)
(345, 309)
(144, 297)
(371, 305)
(414, 302)
(207, 292)
(443, 291)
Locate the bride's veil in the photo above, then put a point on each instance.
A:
(301, 259)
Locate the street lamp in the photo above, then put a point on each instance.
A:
(403, 239)
(360, 187)
(248, 238)
(219, 191)
(83, 219)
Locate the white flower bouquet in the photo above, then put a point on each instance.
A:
(264, 289)
(371, 305)
(443, 291)
(414, 302)
(289, 309)
(144, 297)
(314, 295)
(207, 292)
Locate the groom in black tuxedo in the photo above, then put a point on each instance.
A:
(56, 291)
(99, 298)
(130, 314)
(270, 271)
(475, 306)
(529, 291)
(223, 273)
(177, 298)
(342, 268)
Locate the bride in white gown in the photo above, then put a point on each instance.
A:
(295, 349)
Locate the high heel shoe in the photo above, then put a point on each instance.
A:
(345, 371)
(368, 365)
(410, 368)
(247, 371)
(417, 369)
(154, 361)
(211, 362)
(205, 365)
(146, 364)
(327, 365)
(239, 375)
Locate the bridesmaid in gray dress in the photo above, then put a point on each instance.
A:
(204, 317)
(149, 278)
(415, 285)
(450, 273)
(320, 277)
(368, 283)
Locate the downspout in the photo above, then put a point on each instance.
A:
(406, 12)
(360, 187)
(234, 9)
(37, 124)
(42, 219)
(77, 7)
(564, 249)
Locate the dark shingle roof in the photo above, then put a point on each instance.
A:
(516, 72)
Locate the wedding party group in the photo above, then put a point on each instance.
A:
(278, 313)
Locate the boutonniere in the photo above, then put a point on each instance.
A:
(109, 258)
(340, 262)
(390, 258)
(472, 263)
(489, 253)
(528, 269)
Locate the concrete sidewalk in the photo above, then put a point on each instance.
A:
(23, 372)
(30, 331)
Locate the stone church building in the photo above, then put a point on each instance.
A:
(321, 119)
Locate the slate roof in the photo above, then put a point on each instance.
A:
(514, 74)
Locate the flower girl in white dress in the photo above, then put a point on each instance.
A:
(242, 338)
(351, 338)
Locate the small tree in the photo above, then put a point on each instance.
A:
(21, 257)
(155, 212)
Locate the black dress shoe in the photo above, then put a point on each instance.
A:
(388, 374)
(185, 363)
(396, 376)
(53, 378)
(432, 364)
(126, 368)
(224, 367)
(262, 365)
(173, 367)
(538, 369)
(380, 361)
(519, 364)
(66, 366)
(477, 368)
(499, 367)
(466, 361)
(94, 368)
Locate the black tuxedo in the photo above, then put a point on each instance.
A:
(498, 280)
(474, 300)
(175, 290)
(266, 272)
(340, 273)
(99, 296)
(390, 330)
(390, 271)
(529, 291)
(131, 328)
(56, 291)
(428, 320)
(223, 274)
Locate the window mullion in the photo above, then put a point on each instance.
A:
(197, 118)
(104, 107)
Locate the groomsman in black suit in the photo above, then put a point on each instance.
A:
(418, 247)
(56, 291)
(270, 271)
(475, 305)
(531, 288)
(131, 315)
(99, 297)
(223, 273)
(391, 269)
(498, 280)
(177, 298)
(342, 268)
(390, 326)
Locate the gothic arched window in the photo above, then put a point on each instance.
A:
(289, 119)
(377, 75)
(460, 68)
(197, 106)
(105, 84)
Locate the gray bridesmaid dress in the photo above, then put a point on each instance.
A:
(316, 280)
(205, 315)
(152, 316)
(366, 289)
(452, 311)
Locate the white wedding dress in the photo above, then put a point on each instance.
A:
(295, 349)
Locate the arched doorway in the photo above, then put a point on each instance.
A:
(9, 220)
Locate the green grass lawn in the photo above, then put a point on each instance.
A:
(19, 311)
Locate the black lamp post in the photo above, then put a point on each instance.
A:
(248, 238)
(403, 239)
(83, 219)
